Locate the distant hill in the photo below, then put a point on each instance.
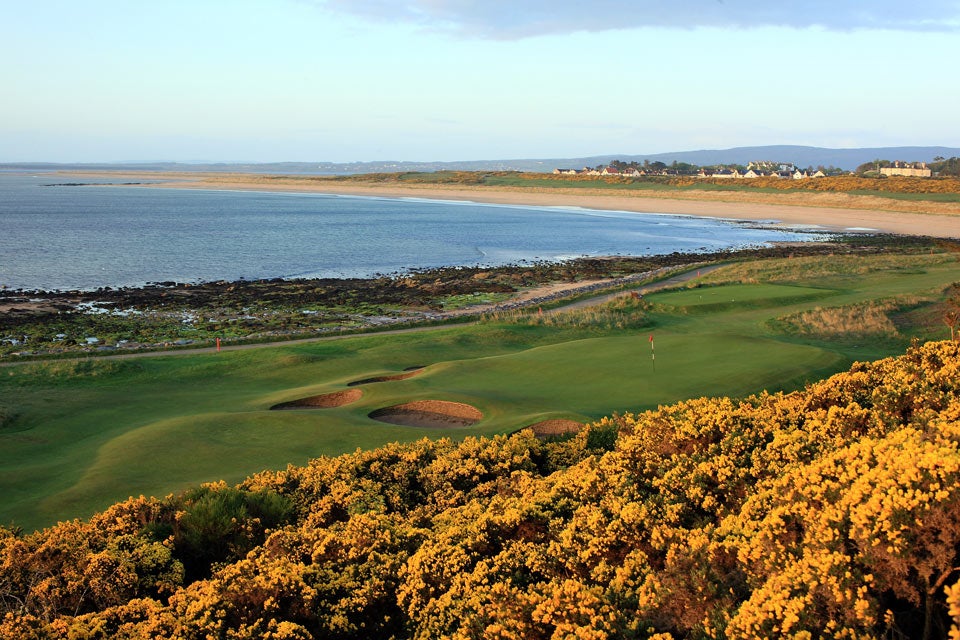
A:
(801, 156)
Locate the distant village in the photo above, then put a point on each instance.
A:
(762, 169)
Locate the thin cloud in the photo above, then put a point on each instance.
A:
(515, 19)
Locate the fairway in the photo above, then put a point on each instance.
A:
(81, 435)
(745, 294)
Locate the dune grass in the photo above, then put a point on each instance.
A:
(831, 271)
(78, 436)
(874, 318)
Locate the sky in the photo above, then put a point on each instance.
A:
(445, 80)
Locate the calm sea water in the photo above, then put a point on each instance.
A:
(81, 237)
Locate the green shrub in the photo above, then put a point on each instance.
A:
(221, 524)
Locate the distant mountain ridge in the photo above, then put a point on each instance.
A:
(801, 156)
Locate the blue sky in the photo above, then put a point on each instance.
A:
(352, 80)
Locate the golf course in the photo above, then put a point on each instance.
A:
(79, 435)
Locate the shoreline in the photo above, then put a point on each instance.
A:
(785, 210)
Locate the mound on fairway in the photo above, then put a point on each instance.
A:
(547, 428)
(323, 401)
(410, 372)
(432, 414)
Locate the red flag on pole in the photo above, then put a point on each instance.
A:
(651, 337)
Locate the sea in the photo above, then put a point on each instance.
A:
(63, 232)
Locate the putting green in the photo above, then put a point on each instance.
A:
(590, 377)
(754, 295)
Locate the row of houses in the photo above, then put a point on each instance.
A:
(630, 172)
(792, 173)
(786, 172)
(754, 170)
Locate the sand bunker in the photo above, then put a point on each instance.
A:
(323, 401)
(432, 414)
(549, 428)
(410, 372)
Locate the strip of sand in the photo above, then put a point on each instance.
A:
(831, 211)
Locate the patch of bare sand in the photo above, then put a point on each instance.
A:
(431, 414)
(556, 427)
(323, 401)
(525, 295)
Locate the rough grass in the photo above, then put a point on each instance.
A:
(7, 416)
(73, 371)
(461, 301)
(620, 314)
(868, 319)
(820, 269)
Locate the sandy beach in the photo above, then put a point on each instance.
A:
(831, 211)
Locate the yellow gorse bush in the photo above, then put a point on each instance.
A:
(831, 512)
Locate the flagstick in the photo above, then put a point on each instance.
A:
(653, 355)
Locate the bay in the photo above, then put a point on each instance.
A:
(99, 235)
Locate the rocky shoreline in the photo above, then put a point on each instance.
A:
(170, 315)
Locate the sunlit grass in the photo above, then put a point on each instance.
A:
(451, 303)
(80, 435)
(868, 319)
(817, 269)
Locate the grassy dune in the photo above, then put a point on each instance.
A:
(80, 436)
